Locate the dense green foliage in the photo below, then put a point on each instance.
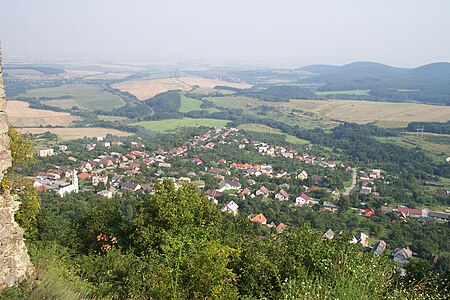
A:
(434, 127)
(178, 245)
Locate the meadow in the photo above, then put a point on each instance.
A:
(172, 124)
(266, 129)
(85, 96)
(20, 115)
(436, 145)
(190, 104)
(76, 133)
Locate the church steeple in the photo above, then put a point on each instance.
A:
(75, 180)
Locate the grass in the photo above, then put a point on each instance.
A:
(76, 133)
(349, 92)
(190, 104)
(172, 124)
(266, 129)
(85, 96)
(436, 146)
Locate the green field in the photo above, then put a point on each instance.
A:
(349, 92)
(172, 124)
(263, 128)
(436, 146)
(85, 96)
(190, 104)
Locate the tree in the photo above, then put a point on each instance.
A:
(28, 212)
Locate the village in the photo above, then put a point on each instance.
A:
(130, 166)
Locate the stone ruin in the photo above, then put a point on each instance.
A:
(15, 265)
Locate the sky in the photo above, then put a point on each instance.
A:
(404, 33)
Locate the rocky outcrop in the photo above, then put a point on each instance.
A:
(15, 265)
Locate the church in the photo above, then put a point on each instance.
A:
(72, 188)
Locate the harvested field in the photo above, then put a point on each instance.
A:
(61, 103)
(76, 133)
(385, 114)
(20, 115)
(146, 89)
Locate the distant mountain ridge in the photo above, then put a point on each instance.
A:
(429, 83)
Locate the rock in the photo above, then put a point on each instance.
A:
(15, 264)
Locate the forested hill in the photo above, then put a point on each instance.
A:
(429, 83)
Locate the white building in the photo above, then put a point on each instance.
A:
(72, 188)
(45, 152)
(231, 207)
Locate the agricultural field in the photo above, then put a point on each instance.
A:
(237, 102)
(27, 74)
(172, 124)
(86, 96)
(66, 134)
(349, 92)
(95, 74)
(263, 128)
(279, 111)
(61, 103)
(384, 114)
(148, 88)
(20, 115)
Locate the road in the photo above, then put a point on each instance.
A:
(352, 186)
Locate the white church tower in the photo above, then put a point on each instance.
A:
(75, 181)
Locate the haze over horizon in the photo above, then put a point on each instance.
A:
(297, 33)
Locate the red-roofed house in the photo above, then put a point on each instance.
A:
(84, 176)
(369, 212)
(280, 227)
(260, 218)
(197, 161)
(301, 200)
(410, 211)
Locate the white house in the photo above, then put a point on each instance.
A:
(301, 200)
(229, 185)
(282, 195)
(231, 207)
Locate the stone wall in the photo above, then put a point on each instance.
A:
(15, 265)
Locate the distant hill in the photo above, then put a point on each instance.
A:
(433, 69)
(429, 83)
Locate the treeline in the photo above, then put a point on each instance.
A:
(433, 127)
(274, 93)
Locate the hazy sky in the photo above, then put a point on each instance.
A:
(297, 32)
